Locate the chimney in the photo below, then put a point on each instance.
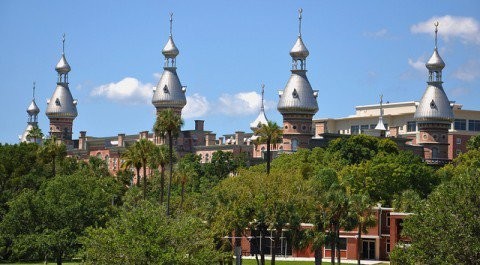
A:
(82, 140)
(144, 135)
(121, 137)
(199, 125)
(210, 139)
(239, 137)
(220, 140)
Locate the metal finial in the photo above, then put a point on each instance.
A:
(436, 31)
(171, 20)
(300, 22)
(263, 92)
(381, 102)
(63, 43)
(34, 90)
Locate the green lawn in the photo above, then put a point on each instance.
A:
(254, 262)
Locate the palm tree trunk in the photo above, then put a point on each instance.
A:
(318, 256)
(54, 166)
(268, 156)
(183, 192)
(359, 243)
(139, 178)
(144, 180)
(170, 146)
(337, 239)
(162, 182)
(332, 245)
(276, 243)
(262, 255)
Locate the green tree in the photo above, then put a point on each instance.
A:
(144, 149)
(160, 158)
(474, 142)
(361, 215)
(185, 171)
(52, 152)
(168, 122)
(145, 235)
(445, 230)
(35, 133)
(48, 222)
(269, 134)
(132, 159)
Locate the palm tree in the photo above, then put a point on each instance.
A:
(186, 170)
(168, 122)
(51, 151)
(159, 158)
(144, 148)
(131, 159)
(35, 133)
(268, 134)
(360, 209)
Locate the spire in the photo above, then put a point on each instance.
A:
(263, 92)
(380, 125)
(170, 51)
(299, 51)
(300, 22)
(261, 118)
(33, 109)
(63, 67)
(435, 64)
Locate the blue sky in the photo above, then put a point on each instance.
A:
(358, 50)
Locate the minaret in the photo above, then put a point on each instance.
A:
(169, 93)
(434, 113)
(298, 102)
(32, 112)
(380, 125)
(61, 107)
(261, 118)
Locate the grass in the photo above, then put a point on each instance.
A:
(277, 262)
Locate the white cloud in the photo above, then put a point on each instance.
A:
(467, 29)
(243, 103)
(376, 34)
(128, 90)
(197, 106)
(468, 72)
(418, 65)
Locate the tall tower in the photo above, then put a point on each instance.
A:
(169, 93)
(61, 107)
(434, 113)
(261, 118)
(298, 102)
(32, 112)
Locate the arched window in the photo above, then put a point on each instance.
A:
(107, 160)
(434, 152)
(294, 145)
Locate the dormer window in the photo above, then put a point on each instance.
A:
(295, 93)
(433, 105)
(57, 102)
(165, 89)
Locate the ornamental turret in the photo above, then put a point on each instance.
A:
(434, 113)
(261, 118)
(61, 107)
(298, 101)
(169, 93)
(32, 112)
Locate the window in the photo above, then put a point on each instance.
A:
(372, 126)
(387, 247)
(474, 125)
(411, 126)
(458, 152)
(354, 129)
(342, 243)
(387, 222)
(363, 128)
(459, 140)
(386, 125)
(294, 145)
(460, 124)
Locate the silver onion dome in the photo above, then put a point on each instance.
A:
(33, 108)
(434, 105)
(61, 104)
(169, 92)
(435, 63)
(62, 66)
(298, 95)
(170, 50)
(299, 50)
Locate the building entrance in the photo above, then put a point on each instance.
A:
(368, 249)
